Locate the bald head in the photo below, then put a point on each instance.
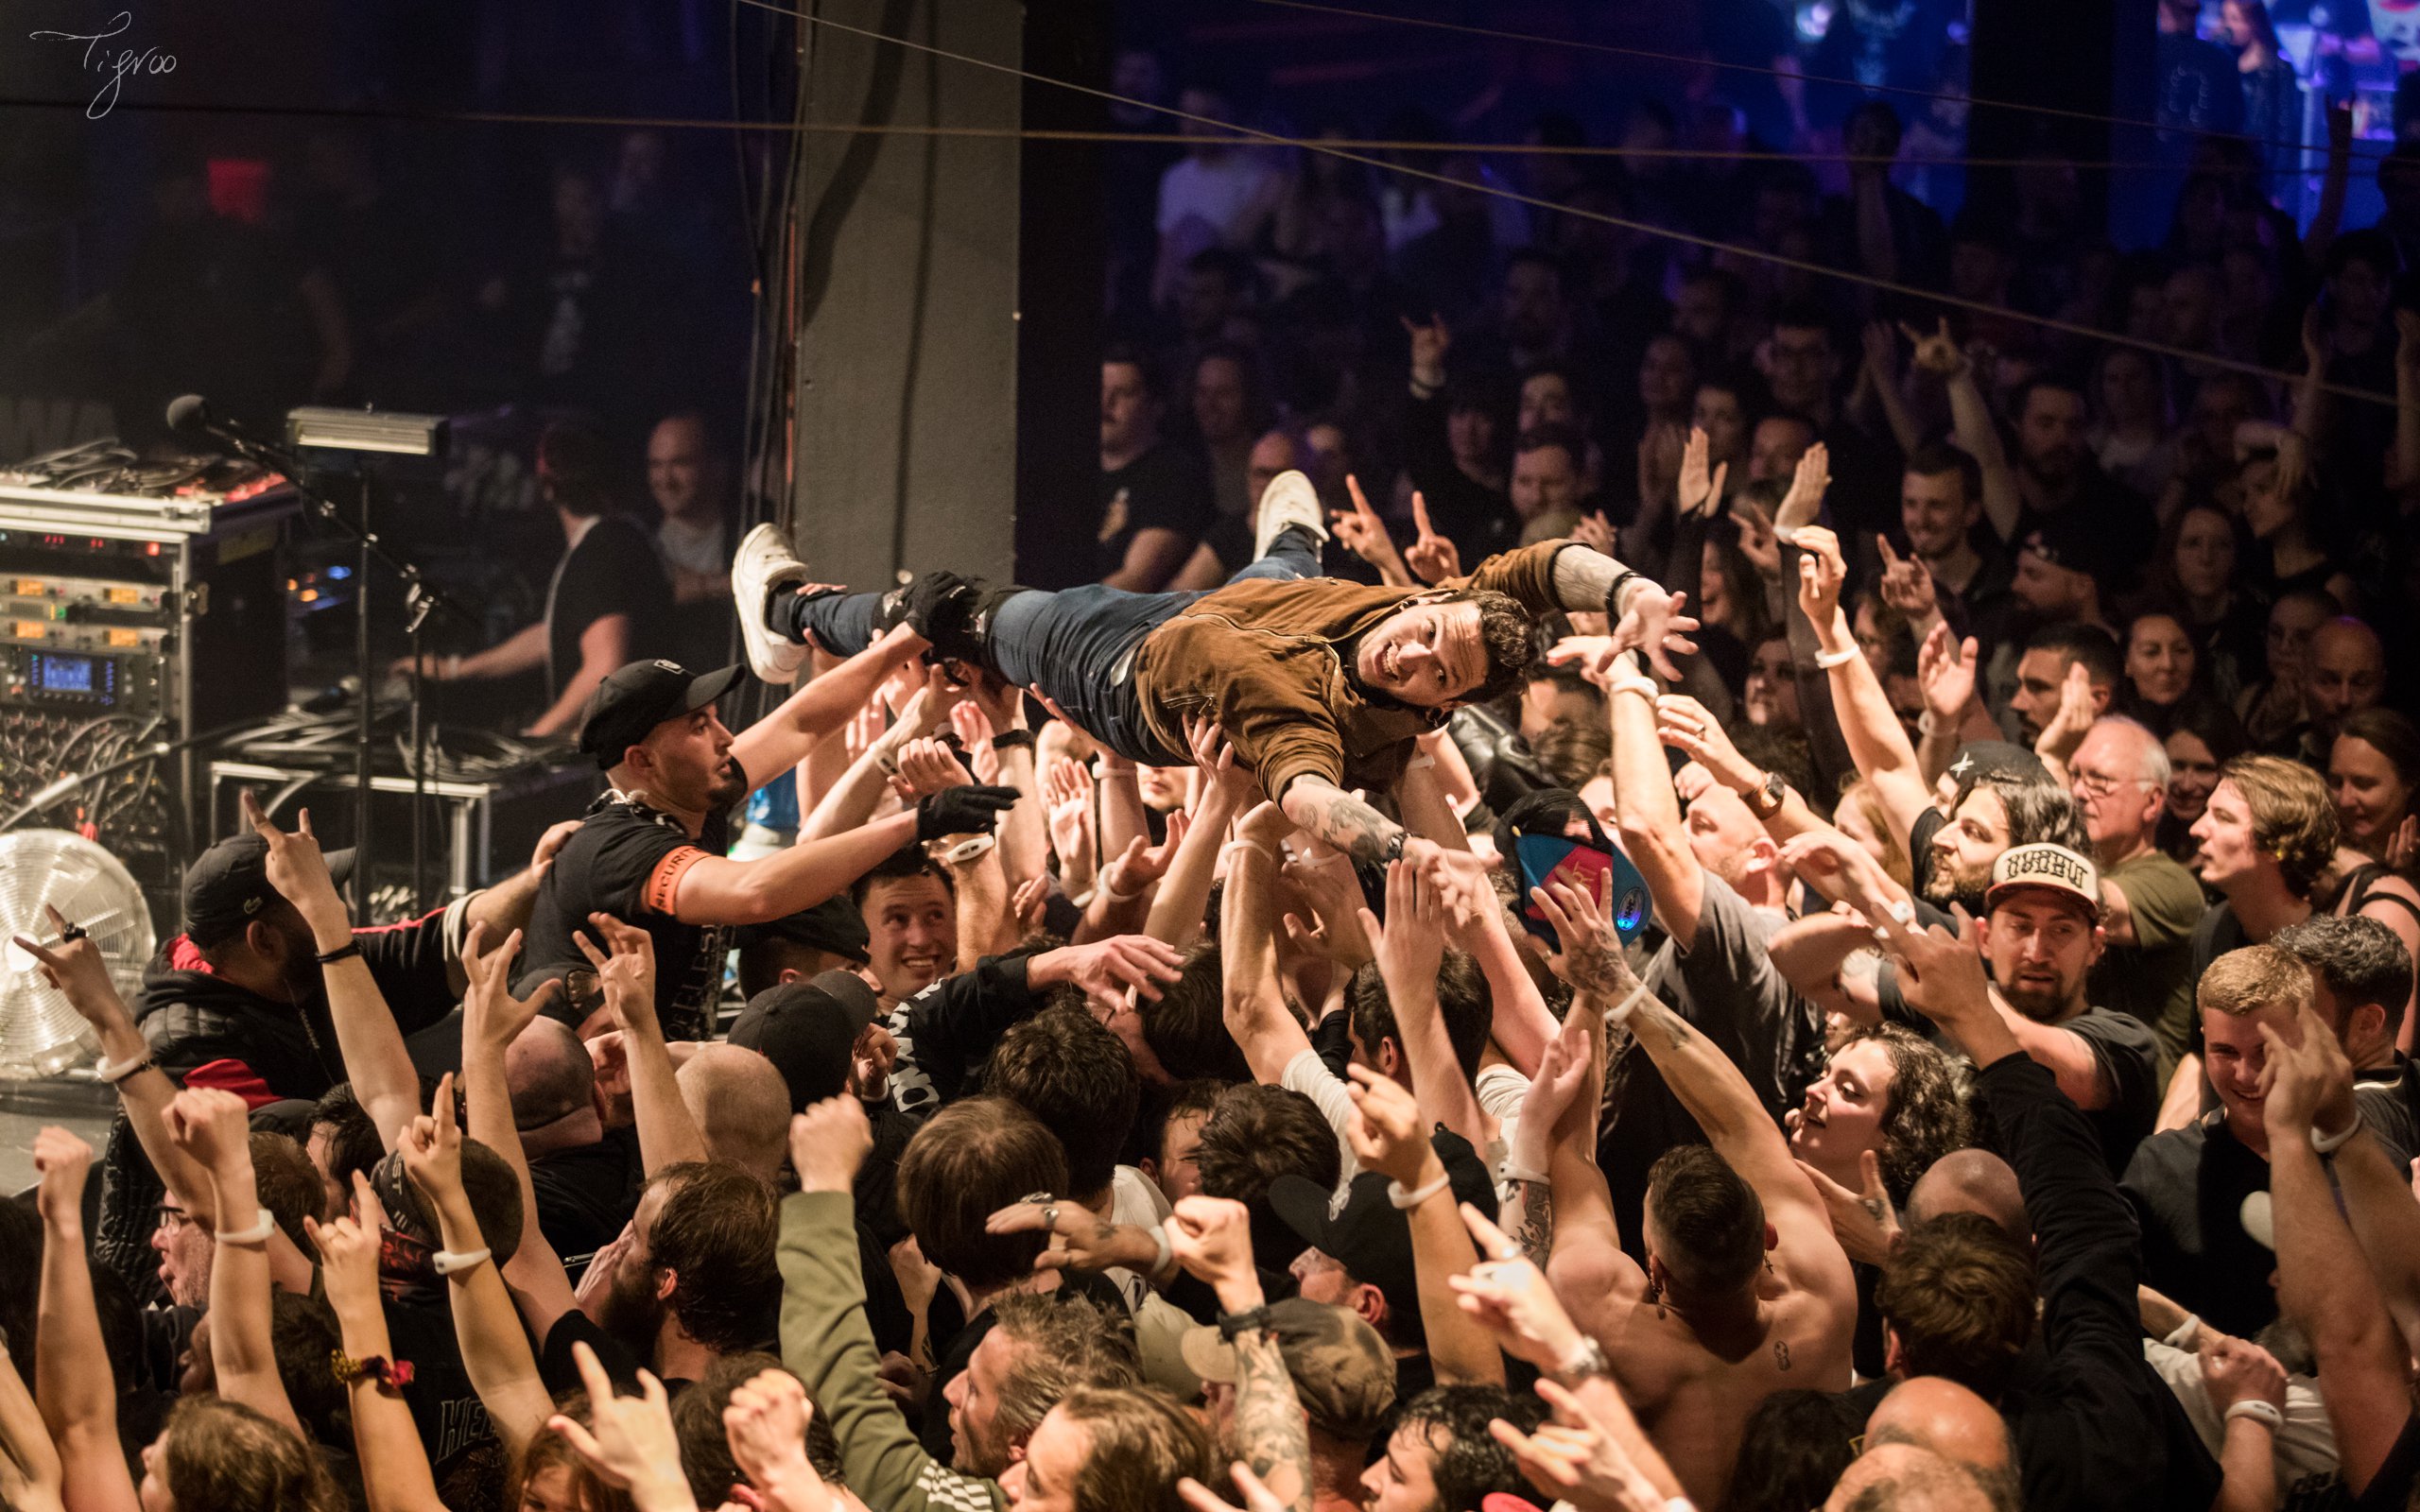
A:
(553, 1086)
(1972, 1180)
(1907, 1478)
(742, 1108)
(1941, 1414)
(2347, 672)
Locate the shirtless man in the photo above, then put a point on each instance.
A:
(1745, 1291)
(1320, 686)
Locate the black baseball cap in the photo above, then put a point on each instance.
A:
(835, 925)
(1370, 1236)
(635, 698)
(807, 1030)
(227, 886)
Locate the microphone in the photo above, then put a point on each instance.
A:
(189, 417)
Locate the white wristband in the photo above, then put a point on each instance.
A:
(1828, 659)
(2182, 1336)
(257, 1235)
(1418, 762)
(1641, 686)
(1513, 1172)
(1620, 1012)
(1167, 1251)
(1396, 1195)
(1233, 846)
(114, 1071)
(2264, 1413)
(447, 1262)
(2330, 1144)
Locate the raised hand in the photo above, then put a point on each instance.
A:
(1651, 621)
(1805, 500)
(765, 1419)
(211, 1125)
(348, 1251)
(1907, 584)
(1941, 974)
(63, 1161)
(1689, 728)
(1211, 1237)
(1031, 899)
(1107, 970)
(1864, 1221)
(1386, 1131)
(1946, 672)
(1758, 542)
(1881, 352)
(2305, 1084)
(2237, 1371)
(1821, 572)
(1937, 354)
(1595, 532)
(295, 867)
(1411, 944)
(1508, 1294)
(974, 732)
(1660, 454)
(1430, 558)
(967, 810)
(829, 1142)
(2066, 731)
(925, 767)
(1067, 792)
(492, 1016)
(1080, 1239)
(628, 975)
(1328, 880)
(1590, 957)
(871, 1059)
(1141, 864)
(75, 967)
(1701, 492)
(432, 1145)
(1577, 1459)
(630, 1441)
(1366, 535)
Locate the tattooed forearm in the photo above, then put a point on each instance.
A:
(1343, 821)
(1535, 1231)
(1271, 1431)
(1653, 1017)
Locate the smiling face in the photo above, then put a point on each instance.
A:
(1425, 654)
(2160, 659)
(1935, 511)
(1965, 849)
(1769, 696)
(2192, 774)
(1841, 1117)
(911, 933)
(1405, 1479)
(2234, 1054)
(2371, 797)
(1716, 412)
(2040, 941)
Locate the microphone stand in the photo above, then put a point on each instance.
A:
(419, 600)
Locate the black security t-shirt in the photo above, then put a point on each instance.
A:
(627, 860)
(614, 570)
(1168, 487)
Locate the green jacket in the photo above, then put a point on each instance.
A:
(827, 1344)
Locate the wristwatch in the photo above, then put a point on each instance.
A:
(1765, 799)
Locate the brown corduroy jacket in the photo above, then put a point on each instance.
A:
(1270, 661)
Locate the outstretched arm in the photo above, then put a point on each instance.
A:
(667, 1134)
(394, 1466)
(1410, 948)
(1254, 1005)
(1389, 1135)
(493, 1018)
(1211, 1237)
(777, 742)
(210, 1124)
(79, 1403)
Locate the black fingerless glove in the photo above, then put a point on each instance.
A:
(963, 810)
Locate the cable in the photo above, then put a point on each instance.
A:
(1687, 61)
(1538, 149)
(1637, 227)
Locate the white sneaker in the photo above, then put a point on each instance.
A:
(1288, 500)
(763, 564)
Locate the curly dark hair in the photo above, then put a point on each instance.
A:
(1186, 1029)
(1925, 1115)
(1510, 635)
(1469, 1464)
(1079, 1080)
(1256, 1133)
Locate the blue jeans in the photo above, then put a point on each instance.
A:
(1079, 645)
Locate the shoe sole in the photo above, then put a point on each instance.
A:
(1265, 529)
(772, 658)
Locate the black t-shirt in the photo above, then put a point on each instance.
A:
(586, 1195)
(1168, 487)
(2187, 1186)
(445, 1407)
(627, 860)
(614, 570)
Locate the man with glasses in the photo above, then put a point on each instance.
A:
(2150, 904)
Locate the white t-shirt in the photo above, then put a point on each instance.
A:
(1309, 1075)
(695, 548)
(1216, 194)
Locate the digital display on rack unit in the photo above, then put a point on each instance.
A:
(68, 674)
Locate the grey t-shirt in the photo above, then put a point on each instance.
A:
(1725, 985)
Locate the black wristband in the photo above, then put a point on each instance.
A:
(1613, 594)
(1231, 1324)
(1013, 740)
(348, 950)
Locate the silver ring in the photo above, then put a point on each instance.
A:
(1050, 1218)
(72, 933)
